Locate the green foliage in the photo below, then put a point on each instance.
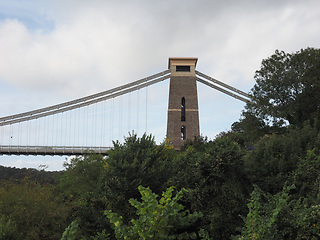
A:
(37, 212)
(217, 184)
(251, 127)
(306, 178)
(84, 185)
(307, 175)
(276, 156)
(158, 219)
(198, 143)
(94, 183)
(308, 221)
(8, 229)
(71, 231)
(287, 87)
(281, 217)
(42, 177)
(216, 177)
(265, 219)
(138, 161)
(81, 174)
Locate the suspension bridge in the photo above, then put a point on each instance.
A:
(83, 125)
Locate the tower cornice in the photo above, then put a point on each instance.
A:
(184, 61)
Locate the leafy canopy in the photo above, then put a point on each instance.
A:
(158, 219)
(287, 87)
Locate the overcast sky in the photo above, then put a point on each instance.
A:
(54, 51)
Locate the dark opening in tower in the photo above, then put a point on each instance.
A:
(183, 109)
(183, 132)
(183, 68)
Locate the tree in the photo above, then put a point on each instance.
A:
(84, 185)
(251, 128)
(94, 183)
(275, 156)
(217, 185)
(158, 219)
(279, 216)
(8, 229)
(35, 211)
(138, 161)
(270, 216)
(287, 88)
(306, 177)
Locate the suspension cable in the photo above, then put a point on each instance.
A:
(223, 90)
(132, 87)
(222, 84)
(88, 98)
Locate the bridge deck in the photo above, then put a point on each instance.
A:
(52, 150)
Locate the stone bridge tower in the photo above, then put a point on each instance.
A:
(183, 115)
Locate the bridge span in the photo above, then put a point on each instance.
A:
(71, 127)
(54, 150)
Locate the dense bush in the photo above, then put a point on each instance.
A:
(29, 210)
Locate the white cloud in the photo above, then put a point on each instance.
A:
(99, 44)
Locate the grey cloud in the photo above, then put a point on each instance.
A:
(94, 40)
